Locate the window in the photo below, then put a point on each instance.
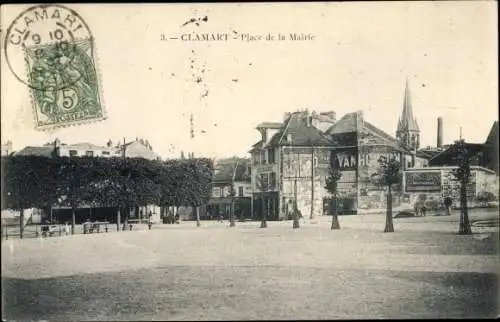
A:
(105, 152)
(73, 153)
(263, 157)
(89, 153)
(240, 191)
(270, 155)
(272, 180)
(264, 181)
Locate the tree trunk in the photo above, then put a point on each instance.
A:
(296, 223)
(232, 223)
(198, 223)
(389, 227)
(464, 228)
(21, 223)
(263, 223)
(73, 220)
(118, 219)
(311, 216)
(335, 218)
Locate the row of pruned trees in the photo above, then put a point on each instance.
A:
(122, 183)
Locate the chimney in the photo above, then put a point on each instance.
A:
(440, 132)
(359, 120)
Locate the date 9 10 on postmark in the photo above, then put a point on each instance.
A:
(50, 49)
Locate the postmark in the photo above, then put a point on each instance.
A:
(50, 49)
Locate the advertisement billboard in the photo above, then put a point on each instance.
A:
(423, 181)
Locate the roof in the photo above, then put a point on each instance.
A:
(427, 153)
(493, 135)
(301, 133)
(424, 154)
(447, 157)
(87, 146)
(380, 132)
(346, 124)
(270, 125)
(256, 146)
(224, 169)
(36, 150)
(491, 150)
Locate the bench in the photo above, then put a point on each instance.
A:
(95, 227)
(48, 230)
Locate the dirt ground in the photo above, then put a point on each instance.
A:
(184, 272)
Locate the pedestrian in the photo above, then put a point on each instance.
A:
(66, 228)
(416, 208)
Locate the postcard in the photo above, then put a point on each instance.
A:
(249, 161)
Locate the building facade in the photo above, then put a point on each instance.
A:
(138, 148)
(231, 185)
(435, 183)
(292, 160)
(7, 148)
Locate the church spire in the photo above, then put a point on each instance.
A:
(408, 130)
(408, 121)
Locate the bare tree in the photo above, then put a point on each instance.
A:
(332, 187)
(388, 174)
(462, 174)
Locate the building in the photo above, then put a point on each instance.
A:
(7, 148)
(230, 175)
(282, 166)
(43, 151)
(436, 183)
(292, 159)
(490, 152)
(134, 149)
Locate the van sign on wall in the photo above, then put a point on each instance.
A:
(423, 181)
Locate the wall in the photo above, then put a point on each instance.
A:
(438, 182)
(297, 166)
(64, 151)
(138, 150)
(224, 190)
(258, 169)
(247, 188)
(371, 196)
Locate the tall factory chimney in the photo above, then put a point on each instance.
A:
(440, 132)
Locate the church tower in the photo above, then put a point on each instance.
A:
(408, 133)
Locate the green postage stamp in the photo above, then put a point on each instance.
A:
(50, 49)
(65, 88)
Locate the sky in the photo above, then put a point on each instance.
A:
(359, 59)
